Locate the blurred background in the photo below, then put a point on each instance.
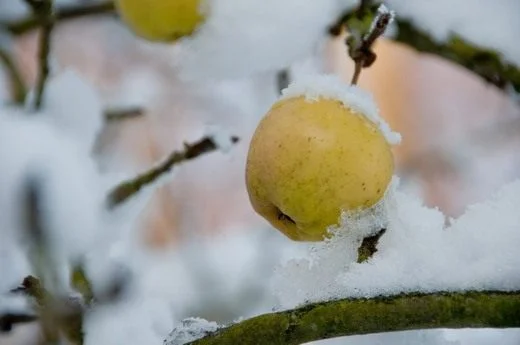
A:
(208, 253)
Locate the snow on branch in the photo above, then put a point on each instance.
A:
(125, 190)
(489, 64)
(381, 314)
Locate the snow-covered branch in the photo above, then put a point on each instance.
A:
(487, 63)
(382, 314)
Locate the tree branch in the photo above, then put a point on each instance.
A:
(382, 314)
(112, 115)
(43, 10)
(62, 13)
(9, 320)
(128, 188)
(490, 65)
(19, 90)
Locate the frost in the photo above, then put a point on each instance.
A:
(74, 107)
(381, 10)
(190, 330)
(244, 37)
(314, 87)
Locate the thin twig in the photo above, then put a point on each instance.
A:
(62, 13)
(126, 189)
(283, 79)
(43, 9)
(374, 315)
(9, 320)
(123, 114)
(19, 90)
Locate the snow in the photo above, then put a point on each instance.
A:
(190, 330)
(138, 89)
(353, 97)
(222, 137)
(74, 106)
(244, 37)
(13, 304)
(67, 182)
(418, 252)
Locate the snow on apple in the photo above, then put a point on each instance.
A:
(316, 86)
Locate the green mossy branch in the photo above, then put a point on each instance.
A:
(382, 314)
(486, 63)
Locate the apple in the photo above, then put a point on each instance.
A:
(312, 158)
(161, 20)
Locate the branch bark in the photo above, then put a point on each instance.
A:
(382, 314)
(490, 65)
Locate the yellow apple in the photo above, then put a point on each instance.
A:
(161, 20)
(309, 160)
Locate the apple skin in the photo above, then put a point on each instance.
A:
(310, 159)
(160, 20)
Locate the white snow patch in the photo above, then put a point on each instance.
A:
(67, 180)
(73, 106)
(138, 90)
(244, 37)
(418, 252)
(221, 137)
(314, 87)
(190, 330)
